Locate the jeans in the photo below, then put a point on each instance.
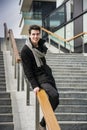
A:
(53, 96)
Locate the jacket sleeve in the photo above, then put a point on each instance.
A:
(27, 66)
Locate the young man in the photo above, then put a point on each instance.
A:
(36, 70)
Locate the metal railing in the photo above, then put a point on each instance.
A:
(67, 41)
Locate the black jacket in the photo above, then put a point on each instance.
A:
(36, 75)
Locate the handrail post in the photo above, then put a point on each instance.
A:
(18, 76)
(9, 45)
(28, 91)
(28, 94)
(70, 47)
(22, 82)
(6, 34)
(49, 40)
(83, 44)
(37, 114)
(15, 71)
(59, 46)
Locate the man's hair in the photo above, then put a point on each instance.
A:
(34, 27)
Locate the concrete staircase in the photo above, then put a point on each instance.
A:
(6, 116)
(70, 72)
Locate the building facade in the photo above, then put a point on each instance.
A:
(66, 18)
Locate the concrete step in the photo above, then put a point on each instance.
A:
(4, 95)
(63, 63)
(73, 125)
(66, 74)
(64, 55)
(80, 68)
(2, 76)
(2, 83)
(71, 109)
(1, 63)
(78, 84)
(69, 71)
(2, 79)
(2, 88)
(5, 101)
(73, 94)
(72, 81)
(71, 77)
(71, 116)
(5, 109)
(73, 89)
(6, 126)
(1, 67)
(73, 101)
(6, 117)
(66, 60)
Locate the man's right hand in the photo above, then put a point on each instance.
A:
(36, 89)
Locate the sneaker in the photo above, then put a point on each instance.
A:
(41, 127)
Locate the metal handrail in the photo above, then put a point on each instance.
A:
(62, 39)
(6, 34)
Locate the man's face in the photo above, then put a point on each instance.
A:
(35, 37)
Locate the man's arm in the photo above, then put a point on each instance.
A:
(27, 66)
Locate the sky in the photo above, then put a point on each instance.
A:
(10, 14)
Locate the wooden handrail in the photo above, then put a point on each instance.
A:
(78, 35)
(49, 116)
(53, 34)
(14, 46)
(61, 38)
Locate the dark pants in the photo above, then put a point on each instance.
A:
(53, 98)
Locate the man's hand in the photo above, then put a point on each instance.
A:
(36, 89)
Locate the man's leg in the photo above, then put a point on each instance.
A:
(53, 98)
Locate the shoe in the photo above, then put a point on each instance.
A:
(41, 127)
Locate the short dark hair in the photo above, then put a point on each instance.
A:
(34, 27)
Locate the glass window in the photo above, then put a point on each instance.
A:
(37, 11)
(57, 17)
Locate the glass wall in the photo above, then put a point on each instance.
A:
(59, 2)
(69, 10)
(55, 19)
(66, 33)
(60, 16)
(84, 5)
(85, 26)
(69, 34)
(60, 33)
